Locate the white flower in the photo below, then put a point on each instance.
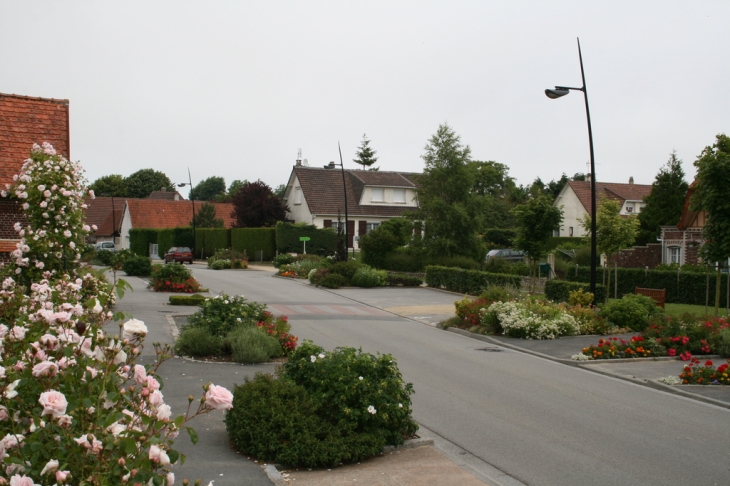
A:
(360, 378)
(51, 466)
(313, 358)
(133, 327)
(580, 357)
(320, 355)
(400, 405)
(372, 410)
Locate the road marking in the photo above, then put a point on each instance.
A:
(173, 327)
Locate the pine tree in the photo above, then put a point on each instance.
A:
(365, 155)
(206, 217)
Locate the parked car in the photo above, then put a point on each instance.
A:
(179, 254)
(105, 245)
(507, 254)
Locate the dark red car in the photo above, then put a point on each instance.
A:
(179, 254)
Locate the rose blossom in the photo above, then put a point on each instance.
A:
(158, 455)
(18, 480)
(163, 412)
(133, 327)
(51, 466)
(54, 403)
(61, 476)
(218, 398)
(140, 374)
(45, 368)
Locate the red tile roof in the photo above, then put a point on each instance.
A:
(322, 190)
(99, 212)
(24, 121)
(150, 213)
(611, 190)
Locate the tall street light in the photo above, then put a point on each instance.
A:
(344, 189)
(556, 93)
(192, 199)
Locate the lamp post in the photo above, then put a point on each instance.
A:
(344, 190)
(192, 199)
(558, 92)
(115, 232)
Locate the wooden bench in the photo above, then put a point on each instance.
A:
(659, 295)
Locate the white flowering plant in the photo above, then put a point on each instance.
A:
(532, 320)
(74, 407)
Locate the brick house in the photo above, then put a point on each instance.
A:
(681, 243)
(316, 196)
(26, 120)
(575, 198)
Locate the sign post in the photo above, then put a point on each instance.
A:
(304, 239)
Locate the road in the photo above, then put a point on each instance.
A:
(540, 422)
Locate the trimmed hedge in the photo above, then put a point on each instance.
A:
(252, 240)
(467, 281)
(682, 287)
(559, 290)
(194, 299)
(140, 239)
(322, 241)
(210, 240)
(404, 279)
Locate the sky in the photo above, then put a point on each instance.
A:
(237, 88)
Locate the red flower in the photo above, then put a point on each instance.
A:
(708, 363)
(672, 352)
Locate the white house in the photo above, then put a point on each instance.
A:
(575, 198)
(316, 196)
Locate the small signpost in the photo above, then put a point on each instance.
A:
(304, 239)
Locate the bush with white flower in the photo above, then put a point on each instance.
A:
(532, 320)
(75, 408)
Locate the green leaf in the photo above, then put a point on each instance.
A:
(193, 435)
(173, 455)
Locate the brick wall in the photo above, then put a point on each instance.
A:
(10, 213)
(639, 257)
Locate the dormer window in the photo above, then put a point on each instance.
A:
(377, 195)
(629, 209)
(399, 196)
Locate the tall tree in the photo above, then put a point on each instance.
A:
(664, 203)
(613, 231)
(206, 217)
(536, 221)
(209, 189)
(452, 215)
(280, 191)
(256, 206)
(143, 182)
(711, 196)
(110, 185)
(365, 155)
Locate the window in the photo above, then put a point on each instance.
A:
(399, 196)
(297, 195)
(673, 254)
(370, 226)
(377, 195)
(570, 231)
(629, 209)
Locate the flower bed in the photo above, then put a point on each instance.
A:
(615, 348)
(173, 278)
(707, 374)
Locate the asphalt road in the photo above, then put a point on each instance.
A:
(540, 422)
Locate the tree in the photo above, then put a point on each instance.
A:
(209, 189)
(664, 203)
(205, 218)
(491, 179)
(536, 221)
(613, 231)
(365, 155)
(110, 185)
(449, 209)
(143, 182)
(711, 196)
(256, 206)
(280, 191)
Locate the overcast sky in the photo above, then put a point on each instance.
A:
(236, 88)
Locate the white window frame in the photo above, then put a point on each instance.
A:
(371, 225)
(297, 195)
(375, 192)
(401, 193)
(674, 255)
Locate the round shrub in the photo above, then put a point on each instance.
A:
(105, 257)
(332, 281)
(221, 264)
(346, 269)
(173, 278)
(222, 314)
(632, 311)
(369, 277)
(195, 341)
(250, 345)
(283, 259)
(138, 266)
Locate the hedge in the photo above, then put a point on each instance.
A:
(559, 290)
(210, 240)
(467, 281)
(322, 241)
(251, 240)
(195, 299)
(140, 239)
(682, 287)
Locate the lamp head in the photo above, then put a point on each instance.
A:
(556, 93)
(182, 184)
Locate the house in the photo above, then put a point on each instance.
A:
(681, 243)
(575, 198)
(24, 121)
(165, 195)
(316, 196)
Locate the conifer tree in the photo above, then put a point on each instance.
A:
(365, 155)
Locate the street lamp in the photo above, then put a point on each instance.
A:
(115, 232)
(192, 199)
(556, 93)
(344, 190)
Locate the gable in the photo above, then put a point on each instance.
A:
(150, 213)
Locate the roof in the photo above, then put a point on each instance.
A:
(150, 213)
(611, 190)
(25, 120)
(688, 215)
(166, 195)
(322, 190)
(101, 210)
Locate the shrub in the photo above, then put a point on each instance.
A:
(404, 280)
(401, 261)
(377, 244)
(221, 314)
(221, 264)
(456, 262)
(533, 320)
(105, 257)
(500, 293)
(138, 266)
(631, 311)
(707, 374)
(559, 290)
(238, 264)
(500, 265)
(332, 281)
(317, 274)
(467, 281)
(252, 240)
(249, 345)
(173, 278)
(278, 328)
(196, 341)
(346, 269)
(579, 297)
(195, 299)
(210, 240)
(588, 320)
(723, 348)
(369, 277)
(283, 259)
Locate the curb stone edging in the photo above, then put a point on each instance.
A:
(272, 470)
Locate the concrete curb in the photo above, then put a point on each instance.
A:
(272, 470)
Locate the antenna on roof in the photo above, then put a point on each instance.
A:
(299, 158)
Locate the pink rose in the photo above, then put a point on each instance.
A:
(140, 374)
(170, 479)
(218, 398)
(159, 456)
(45, 368)
(18, 480)
(153, 383)
(54, 403)
(61, 476)
(156, 398)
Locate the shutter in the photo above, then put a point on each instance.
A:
(363, 227)
(327, 223)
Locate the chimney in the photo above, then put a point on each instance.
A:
(588, 177)
(299, 158)
(330, 166)
(631, 180)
